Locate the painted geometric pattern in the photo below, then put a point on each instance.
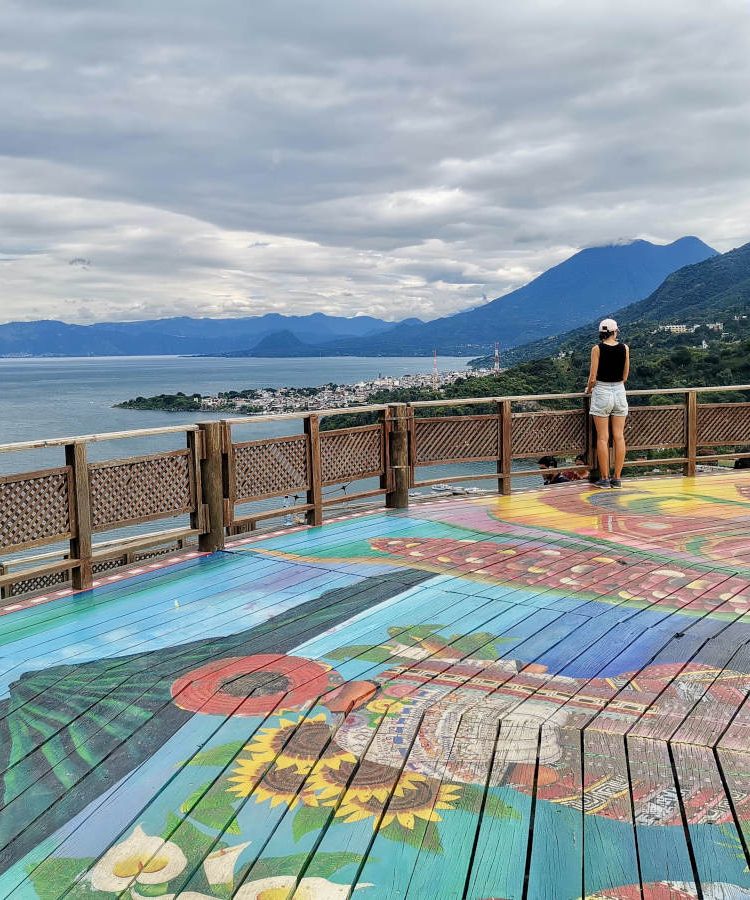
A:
(541, 695)
(149, 488)
(265, 468)
(457, 438)
(547, 432)
(34, 509)
(348, 454)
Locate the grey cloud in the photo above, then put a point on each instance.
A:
(355, 157)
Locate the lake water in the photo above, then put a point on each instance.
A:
(45, 398)
(48, 398)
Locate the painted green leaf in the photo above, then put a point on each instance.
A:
(54, 873)
(192, 841)
(432, 842)
(152, 890)
(470, 798)
(362, 651)
(217, 756)
(211, 806)
(416, 632)
(323, 865)
(309, 818)
(497, 808)
(425, 835)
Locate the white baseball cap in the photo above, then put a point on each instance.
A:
(608, 325)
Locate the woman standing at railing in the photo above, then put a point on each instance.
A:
(610, 366)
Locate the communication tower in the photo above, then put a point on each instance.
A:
(435, 375)
(496, 366)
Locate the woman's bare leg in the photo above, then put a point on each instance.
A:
(618, 439)
(602, 444)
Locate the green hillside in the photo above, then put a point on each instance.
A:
(698, 296)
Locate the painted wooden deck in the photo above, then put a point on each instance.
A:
(543, 696)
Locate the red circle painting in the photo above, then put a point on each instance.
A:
(253, 685)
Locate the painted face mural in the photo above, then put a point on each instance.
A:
(484, 700)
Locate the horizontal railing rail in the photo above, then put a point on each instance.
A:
(221, 485)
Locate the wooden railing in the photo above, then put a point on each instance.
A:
(220, 485)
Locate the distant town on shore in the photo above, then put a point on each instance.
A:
(259, 401)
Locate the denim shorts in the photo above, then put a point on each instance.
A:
(608, 399)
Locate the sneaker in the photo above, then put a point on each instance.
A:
(615, 482)
(602, 483)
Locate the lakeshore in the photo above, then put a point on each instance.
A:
(265, 400)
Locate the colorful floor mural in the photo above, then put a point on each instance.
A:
(545, 695)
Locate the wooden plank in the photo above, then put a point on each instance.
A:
(170, 536)
(707, 720)
(717, 847)
(473, 752)
(734, 772)
(610, 857)
(95, 438)
(63, 565)
(38, 473)
(321, 413)
(664, 851)
(705, 678)
(348, 498)
(504, 874)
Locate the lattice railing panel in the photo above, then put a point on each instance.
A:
(34, 508)
(456, 439)
(270, 468)
(720, 423)
(351, 453)
(548, 432)
(141, 489)
(38, 583)
(655, 426)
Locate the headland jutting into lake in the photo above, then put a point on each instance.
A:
(257, 401)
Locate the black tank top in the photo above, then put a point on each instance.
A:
(611, 362)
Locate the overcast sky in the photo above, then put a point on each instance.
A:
(395, 158)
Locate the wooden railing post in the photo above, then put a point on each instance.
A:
(589, 449)
(386, 479)
(199, 516)
(504, 465)
(314, 516)
(81, 544)
(212, 486)
(398, 495)
(691, 433)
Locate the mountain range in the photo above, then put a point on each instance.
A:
(717, 289)
(591, 283)
(178, 336)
